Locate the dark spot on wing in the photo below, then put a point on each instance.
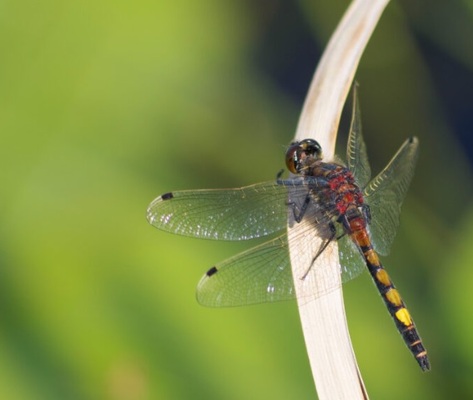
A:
(167, 196)
(211, 271)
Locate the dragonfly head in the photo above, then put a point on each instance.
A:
(298, 154)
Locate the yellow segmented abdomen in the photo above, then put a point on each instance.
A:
(392, 298)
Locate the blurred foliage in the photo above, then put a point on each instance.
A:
(105, 105)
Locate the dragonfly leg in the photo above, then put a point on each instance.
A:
(321, 249)
(278, 177)
(299, 213)
(341, 235)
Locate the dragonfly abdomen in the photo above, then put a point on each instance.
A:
(392, 298)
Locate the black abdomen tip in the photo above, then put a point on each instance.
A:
(424, 363)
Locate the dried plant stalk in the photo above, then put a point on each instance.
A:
(332, 360)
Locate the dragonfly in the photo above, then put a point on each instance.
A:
(335, 202)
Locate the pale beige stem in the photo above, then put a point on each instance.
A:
(323, 319)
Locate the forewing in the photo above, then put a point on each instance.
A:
(385, 194)
(261, 274)
(357, 158)
(223, 214)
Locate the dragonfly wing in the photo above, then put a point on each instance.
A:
(351, 260)
(261, 274)
(357, 158)
(385, 194)
(222, 214)
(264, 273)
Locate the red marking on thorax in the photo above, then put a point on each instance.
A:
(342, 207)
(336, 182)
(348, 198)
(341, 188)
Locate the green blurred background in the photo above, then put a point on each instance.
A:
(104, 105)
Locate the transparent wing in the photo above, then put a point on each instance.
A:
(351, 260)
(385, 194)
(261, 274)
(357, 158)
(222, 214)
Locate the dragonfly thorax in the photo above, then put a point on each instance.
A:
(335, 187)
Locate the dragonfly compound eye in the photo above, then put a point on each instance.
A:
(299, 151)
